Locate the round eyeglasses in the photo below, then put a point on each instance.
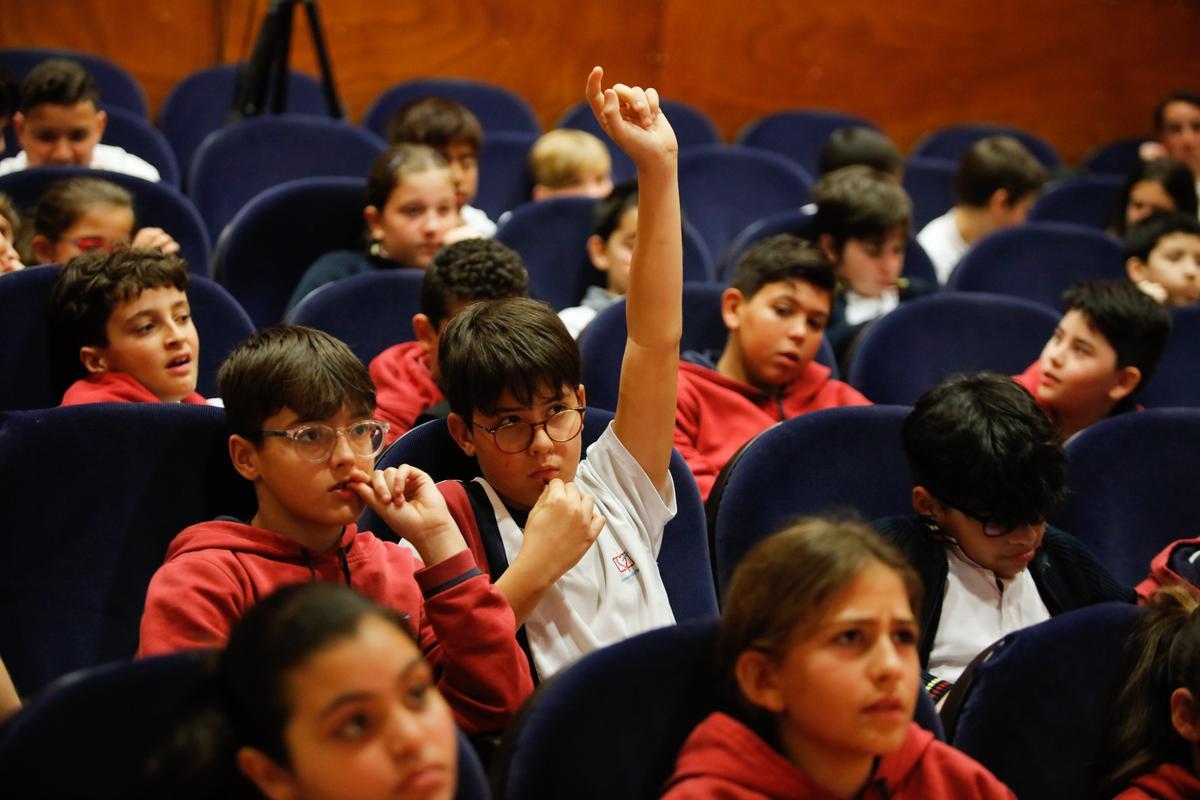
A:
(991, 528)
(515, 437)
(316, 441)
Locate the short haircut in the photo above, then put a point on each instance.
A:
(1135, 324)
(564, 156)
(611, 210)
(434, 121)
(290, 366)
(1175, 177)
(782, 258)
(468, 271)
(10, 94)
(980, 443)
(515, 345)
(89, 286)
(60, 82)
(856, 144)
(393, 165)
(1178, 96)
(61, 205)
(997, 162)
(860, 202)
(1142, 238)
(782, 588)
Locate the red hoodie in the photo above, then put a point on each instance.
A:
(404, 386)
(1168, 782)
(716, 415)
(114, 387)
(724, 759)
(216, 570)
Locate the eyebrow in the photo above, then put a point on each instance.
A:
(349, 698)
(871, 621)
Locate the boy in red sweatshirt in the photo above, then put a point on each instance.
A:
(299, 404)
(126, 315)
(776, 309)
(406, 374)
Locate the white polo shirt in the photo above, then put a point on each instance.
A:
(105, 156)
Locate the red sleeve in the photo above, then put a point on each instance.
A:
(847, 395)
(687, 434)
(469, 635)
(190, 603)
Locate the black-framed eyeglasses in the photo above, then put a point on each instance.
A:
(515, 437)
(991, 528)
(316, 441)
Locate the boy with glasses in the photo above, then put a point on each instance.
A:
(299, 405)
(988, 469)
(573, 543)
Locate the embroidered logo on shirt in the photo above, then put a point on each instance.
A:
(625, 565)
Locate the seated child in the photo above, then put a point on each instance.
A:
(451, 129)
(1177, 124)
(1163, 257)
(1106, 347)
(568, 162)
(1160, 186)
(858, 145)
(409, 212)
(125, 315)
(10, 226)
(85, 215)
(995, 186)
(1153, 747)
(988, 469)
(609, 248)
(776, 309)
(319, 693)
(817, 665)
(406, 375)
(59, 123)
(299, 404)
(511, 372)
(862, 224)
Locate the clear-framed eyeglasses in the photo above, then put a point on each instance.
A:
(515, 437)
(315, 441)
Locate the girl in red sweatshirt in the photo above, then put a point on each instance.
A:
(818, 654)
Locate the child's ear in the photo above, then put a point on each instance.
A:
(826, 243)
(18, 123)
(540, 192)
(1136, 269)
(275, 782)
(923, 502)
(43, 253)
(756, 675)
(1184, 716)
(731, 307)
(244, 455)
(999, 201)
(371, 215)
(101, 123)
(93, 359)
(462, 433)
(426, 333)
(595, 251)
(1128, 379)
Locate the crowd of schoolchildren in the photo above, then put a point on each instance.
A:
(346, 660)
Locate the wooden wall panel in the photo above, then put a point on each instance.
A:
(1079, 72)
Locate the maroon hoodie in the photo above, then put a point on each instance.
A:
(1168, 782)
(216, 570)
(725, 759)
(404, 386)
(114, 387)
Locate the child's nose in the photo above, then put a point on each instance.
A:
(62, 153)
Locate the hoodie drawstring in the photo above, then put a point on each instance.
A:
(312, 569)
(345, 566)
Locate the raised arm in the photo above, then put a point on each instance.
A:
(645, 420)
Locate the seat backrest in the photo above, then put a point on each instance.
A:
(1176, 382)
(134, 134)
(602, 344)
(1068, 670)
(1127, 516)
(1038, 261)
(30, 349)
(919, 343)
(683, 560)
(824, 461)
(117, 85)
(951, 142)
(369, 312)
(155, 205)
(239, 161)
(725, 188)
(139, 473)
(930, 185)
(201, 103)
(269, 245)
(497, 108)
(1115, 158)
(1087, 200)
(504, 179)
(799, 134)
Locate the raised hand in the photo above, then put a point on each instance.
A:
(409, 502)
(632, 118)
(155, 239)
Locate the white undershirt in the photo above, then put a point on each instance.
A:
(864, 309)
(978, 609)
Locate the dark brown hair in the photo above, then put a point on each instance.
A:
(860, 202)
(435, 121)
(471, 270)
(57, 81)
(61, 205)
(997, 162)
(394, 165)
